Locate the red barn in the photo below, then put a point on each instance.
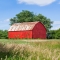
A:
(27, 30)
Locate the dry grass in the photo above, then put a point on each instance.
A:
(48, 50)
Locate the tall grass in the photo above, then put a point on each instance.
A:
(32, 51)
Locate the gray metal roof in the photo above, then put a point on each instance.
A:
(22, 26)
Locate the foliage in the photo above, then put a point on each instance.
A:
(57, 35)
(27, 16)
(24, 16)
(3, 34)
(51, 34)
(54, 34)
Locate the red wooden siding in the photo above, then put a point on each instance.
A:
(20, 34)
(39, 31)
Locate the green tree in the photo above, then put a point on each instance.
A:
(51, 34)
(27, 16)
(3, 34)
(54, 34)
(24, 16)
(57, 35)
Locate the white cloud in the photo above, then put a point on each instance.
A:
(37, 2)
(56, 25)
(4, 21)
(4, 24)
(7, 20)
(58, 2)
(56, 22)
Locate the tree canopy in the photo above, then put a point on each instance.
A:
(27, 16)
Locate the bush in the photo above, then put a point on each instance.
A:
(3, 34)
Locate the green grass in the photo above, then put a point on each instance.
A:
(22, 41)
(26, 49)
(17, 41)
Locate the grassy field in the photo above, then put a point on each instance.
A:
(29, 49)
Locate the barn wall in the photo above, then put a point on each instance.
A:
(39, 31)
(20, 34)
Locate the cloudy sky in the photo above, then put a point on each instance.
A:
(48, 8)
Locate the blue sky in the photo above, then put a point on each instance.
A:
(48, 8)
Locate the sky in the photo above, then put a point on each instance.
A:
(48, 8)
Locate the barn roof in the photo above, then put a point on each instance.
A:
(22, 26)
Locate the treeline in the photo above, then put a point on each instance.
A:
(3, 34)
(52, 34)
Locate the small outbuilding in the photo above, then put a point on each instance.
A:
(27, 30)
